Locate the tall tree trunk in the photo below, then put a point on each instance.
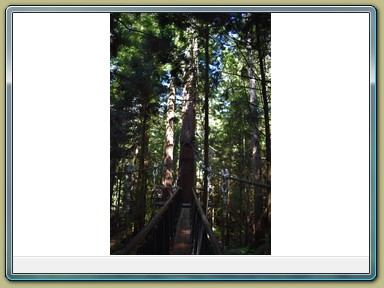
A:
(118, 202)
(169, 139)
(112, 181)
(241, 215)
(206, 120)
(258, 205)
(243, 198)
(265, 97)
(188, 126)
(244, 189)
(142, 177)
(261, 57)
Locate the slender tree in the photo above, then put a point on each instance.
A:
(206, 118)
(260, 20)
(253, 102)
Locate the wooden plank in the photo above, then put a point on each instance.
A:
(182, 243)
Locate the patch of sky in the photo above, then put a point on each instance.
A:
(165, 80)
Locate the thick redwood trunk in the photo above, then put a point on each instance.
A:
(187, 137)
(169, 138)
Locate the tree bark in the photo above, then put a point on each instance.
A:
(169, 139)
(188, 126)
(206, 121)
(142, 177)
(118, 202)
(112, 181)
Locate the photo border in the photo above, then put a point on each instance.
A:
(211, 8)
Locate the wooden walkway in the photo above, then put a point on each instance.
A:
(182, 244)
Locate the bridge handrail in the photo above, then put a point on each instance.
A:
(216, 247)
(139, 238)
(210, 171)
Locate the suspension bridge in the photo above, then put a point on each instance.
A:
(180, 226)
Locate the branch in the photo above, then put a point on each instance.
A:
(245, 59)
(122, 76)
(133, 29)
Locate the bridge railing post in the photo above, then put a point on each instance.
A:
(202, 234)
